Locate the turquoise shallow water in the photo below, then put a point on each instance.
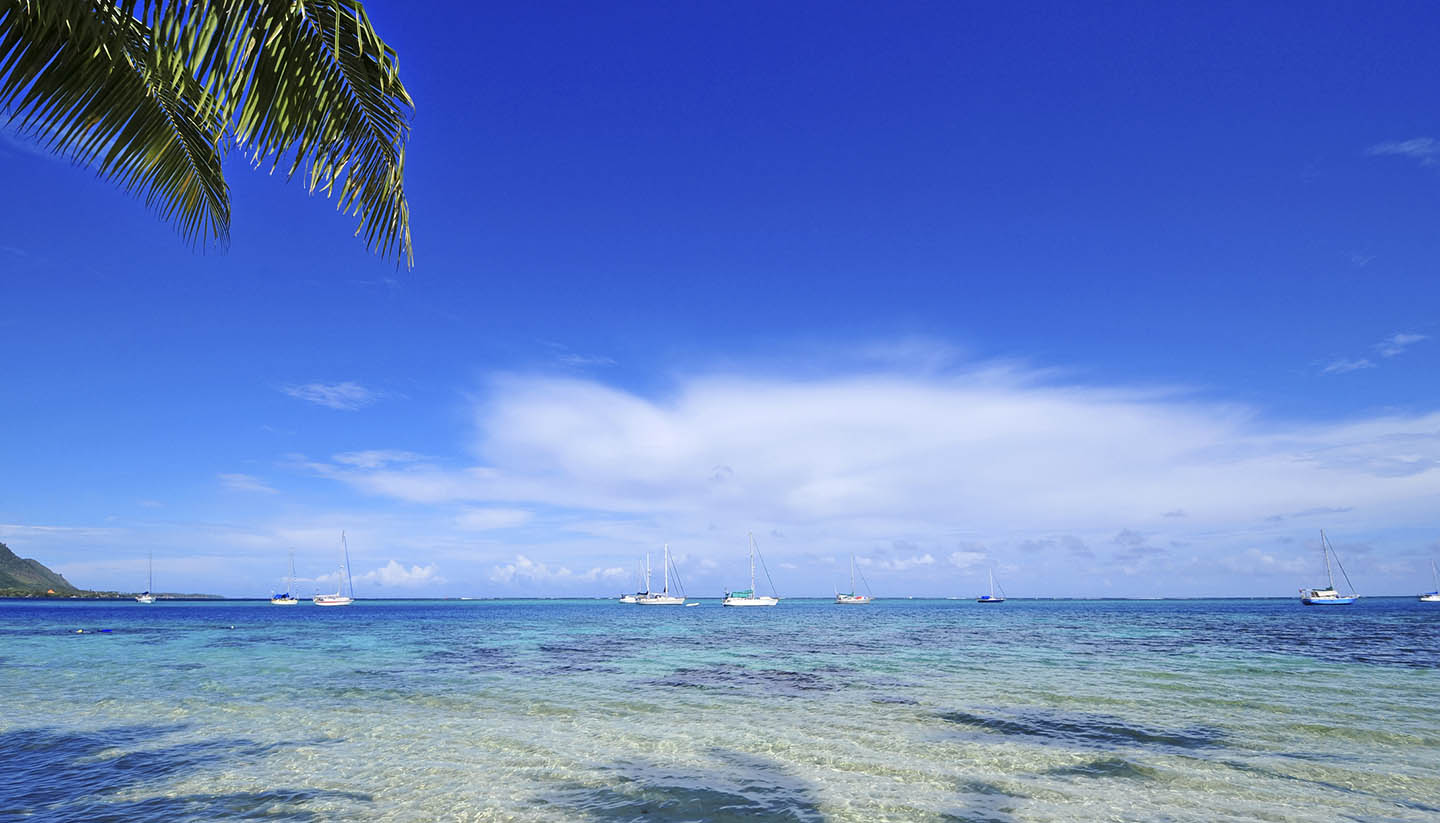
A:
(592, 710)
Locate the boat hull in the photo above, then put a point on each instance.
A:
(659, 600)
(145, 598)
(627, 598)
(750, 601)
(1328, 601)
(851, 600)
(332, 600)
(1432, 597)
(283, 601)
(988, 599)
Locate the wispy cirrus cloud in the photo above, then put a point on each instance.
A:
(1392, 346)
(246, 483)
(1397, 343)
(1425, 150)
(346, 396)
(1345, 365)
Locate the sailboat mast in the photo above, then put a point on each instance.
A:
(667, 568)
(150, 572)
(852, 573)
(647, 572)
(1325, 551)
(752, 564)
(992, 584)
(348, 579)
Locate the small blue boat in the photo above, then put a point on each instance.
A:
(1329, 596)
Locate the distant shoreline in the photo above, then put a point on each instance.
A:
(214, 598)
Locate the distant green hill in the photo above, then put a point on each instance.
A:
(29, 575)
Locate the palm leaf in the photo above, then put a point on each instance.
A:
(88, 85)
(307, 84)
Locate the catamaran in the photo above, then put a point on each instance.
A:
(147, 597)
(852, 597)
(1432, 596)
(749, 597)
(287, 598)
(338, 598)
(662, 597)
(1328, 596)
(992, 597)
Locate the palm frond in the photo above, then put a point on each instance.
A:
(310, 83)
(152, 91)
(86, 84)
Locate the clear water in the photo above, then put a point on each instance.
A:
(586, 710)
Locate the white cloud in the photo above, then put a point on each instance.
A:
(1424, 149)
(897, 564)
(966, 559)
(900, 467)
(486, 519)
(1397, 343)
(346, 396)
(1342, 365)
(245, 483)
(890, 456)
(525, 570)
(395, 575)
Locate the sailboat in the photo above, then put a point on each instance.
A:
(147, 597)
(1328, 596)
(853, 598)
(639, 570)
(338, 598)
(991, 597)
(662, 597)
(749, 597)
(1432, 596)
(287, 598)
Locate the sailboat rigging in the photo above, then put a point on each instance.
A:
(339, 598)
(1432, 596)
(749, 597)
(852, 597)
(642, 572)
(287, 597)
(992, 597)
(147, 597)
(662, 597)
(1328, 596)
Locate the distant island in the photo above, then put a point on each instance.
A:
(25, 577)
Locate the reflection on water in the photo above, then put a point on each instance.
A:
(585, 710)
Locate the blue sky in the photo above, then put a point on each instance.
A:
(1125, 301)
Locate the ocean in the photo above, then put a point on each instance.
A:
(904, 710)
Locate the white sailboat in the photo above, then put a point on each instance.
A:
(639, 571)
(749, 597)
(339, 598)
(287, 598)
(992, 597)
(662, 597)
(853, 597)
(147, 597)
(1432, 596)
(1328, 596)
